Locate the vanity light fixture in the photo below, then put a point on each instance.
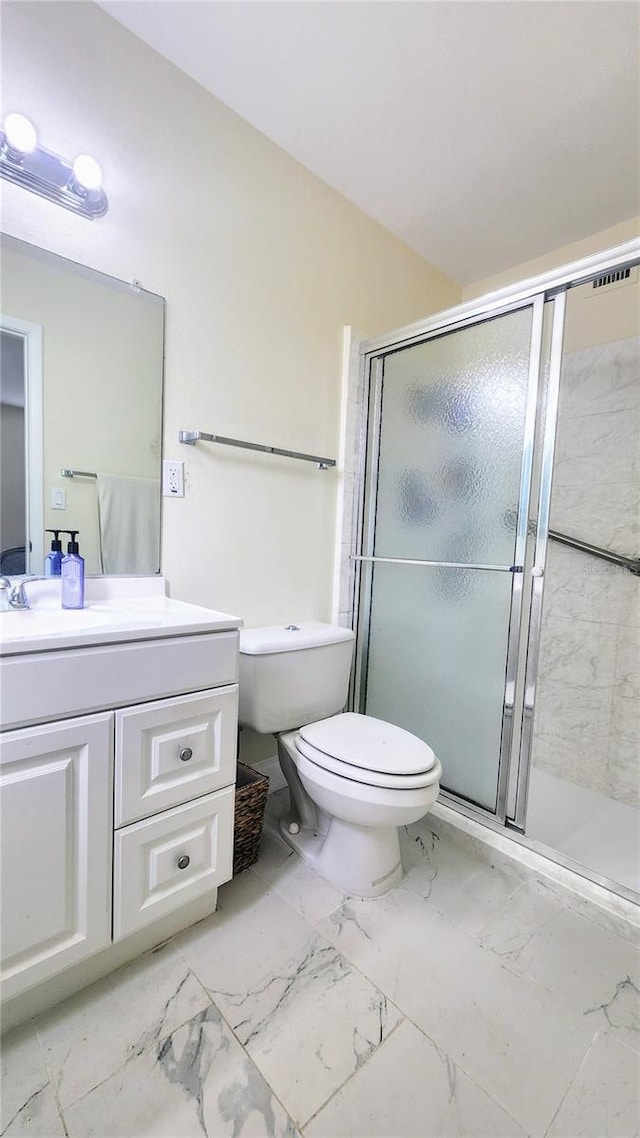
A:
(75, 185)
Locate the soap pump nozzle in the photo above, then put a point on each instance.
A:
(53, 560)
(56, 544)
(72, 546)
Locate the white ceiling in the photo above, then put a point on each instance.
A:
(482, 133)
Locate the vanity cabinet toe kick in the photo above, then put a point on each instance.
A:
(114, 821)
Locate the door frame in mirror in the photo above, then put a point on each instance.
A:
(31, 335)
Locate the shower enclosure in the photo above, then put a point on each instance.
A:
(498, 577)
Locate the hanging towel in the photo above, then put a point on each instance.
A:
(129, 523)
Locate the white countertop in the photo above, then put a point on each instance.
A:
(116, 609)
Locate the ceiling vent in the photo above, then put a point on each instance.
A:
(616, 277)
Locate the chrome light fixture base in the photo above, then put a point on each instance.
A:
(52, 177)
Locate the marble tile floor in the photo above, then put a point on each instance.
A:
(465, 1004)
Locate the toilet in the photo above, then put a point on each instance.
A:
(353, 779)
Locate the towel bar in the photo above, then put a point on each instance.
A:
(192, 437)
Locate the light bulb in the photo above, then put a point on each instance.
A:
(20, 134)
(87, 173)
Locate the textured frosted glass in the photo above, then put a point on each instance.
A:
(451, 444)
(437, 651)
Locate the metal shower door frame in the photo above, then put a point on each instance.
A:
(364, 558)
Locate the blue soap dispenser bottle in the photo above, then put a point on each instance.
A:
(72, 574)
(53, 560)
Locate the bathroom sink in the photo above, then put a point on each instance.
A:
(21, 626)
(116, 609)
(128, 642)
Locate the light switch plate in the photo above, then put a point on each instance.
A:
(58, 498)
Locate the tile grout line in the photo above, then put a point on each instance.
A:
(405, 1016)
(159, 1039)
(353, 1073)
(571, 1083)
(518, 975)
(508, 966)
(224, 1019)
(500, 912)
(52, 1081)
(351, 966)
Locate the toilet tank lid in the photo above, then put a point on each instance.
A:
(291, 637)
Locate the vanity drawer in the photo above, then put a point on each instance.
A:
(164, 862)
(174, 750)
(36, 687)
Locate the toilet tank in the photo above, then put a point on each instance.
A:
(293, 675)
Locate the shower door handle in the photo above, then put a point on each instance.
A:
(437, 564)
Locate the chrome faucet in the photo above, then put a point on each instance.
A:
(15, 596)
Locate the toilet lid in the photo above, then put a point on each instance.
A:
(368, 744)
(368, 778)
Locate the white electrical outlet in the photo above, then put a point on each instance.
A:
(172, 479)
(58, 498)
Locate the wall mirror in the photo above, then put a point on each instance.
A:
(81, 376)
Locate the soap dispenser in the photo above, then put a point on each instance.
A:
(53, 560)
(72, 574)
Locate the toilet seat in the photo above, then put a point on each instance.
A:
(369, 751)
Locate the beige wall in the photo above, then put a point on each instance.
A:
(102, 381)
(261, 264)
(593, 316)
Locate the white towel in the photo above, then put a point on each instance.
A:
(129, 521)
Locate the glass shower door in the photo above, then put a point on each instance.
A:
(452, 422)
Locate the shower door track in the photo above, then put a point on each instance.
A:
(557, 280)
(477, 814)
(527, 610)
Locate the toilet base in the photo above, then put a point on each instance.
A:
(361, 860)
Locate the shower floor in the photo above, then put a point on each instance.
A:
(599, 832)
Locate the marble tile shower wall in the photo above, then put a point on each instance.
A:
(587, 724)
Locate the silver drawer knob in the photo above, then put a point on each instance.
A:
(183, 861)
(185, 754)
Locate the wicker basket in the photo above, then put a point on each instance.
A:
(251, 797)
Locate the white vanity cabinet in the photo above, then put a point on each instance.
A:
(117, 781)
(56, 816)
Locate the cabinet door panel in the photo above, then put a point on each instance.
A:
(175, 857)
(55, 803)
(174, 750)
